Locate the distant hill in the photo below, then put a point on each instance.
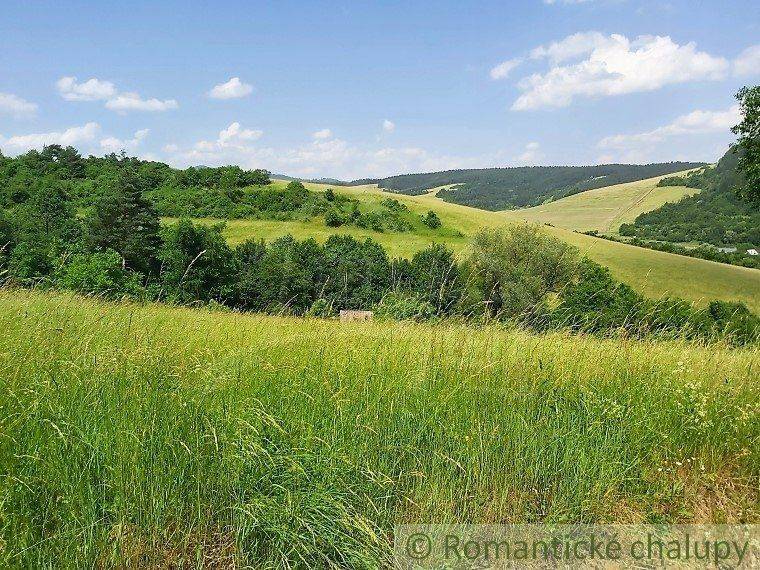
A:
(328, 181)
(717, 215)
(509, 188)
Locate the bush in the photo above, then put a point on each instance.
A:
(100, 274)
(197, 263)
(513, 270)
(321, 309)
(400, 306)
(431, 220)
(30, 263)
(333, 219)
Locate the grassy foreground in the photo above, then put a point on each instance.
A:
(150, 435)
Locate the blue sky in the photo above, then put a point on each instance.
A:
(355, 89)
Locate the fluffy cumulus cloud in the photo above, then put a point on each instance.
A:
(748, 62)
(591, 64)
(503, 69)
(322, 134)
(113, 144)
(656, 144)
(15, 106)
(389, 126)
(232, 89)
(133, 102)
(75, 136)
(91, 90)
(235, 134)
(98, 90)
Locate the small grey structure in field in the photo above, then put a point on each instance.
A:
(347, 316)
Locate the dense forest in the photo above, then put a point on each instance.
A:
(507, 188)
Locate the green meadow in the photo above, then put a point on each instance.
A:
(137, 435)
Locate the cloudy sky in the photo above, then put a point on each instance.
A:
(356, 89)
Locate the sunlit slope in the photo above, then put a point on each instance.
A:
(652, 272)
(605, 209)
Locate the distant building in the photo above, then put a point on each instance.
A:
(753, 252)
(727, 249)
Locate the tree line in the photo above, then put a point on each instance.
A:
(227, 192)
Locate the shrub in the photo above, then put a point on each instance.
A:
(321, 309)
(514, 269)
(197, 263)
(401, 306)
(100, 274)
(431, 220)
(333, 219)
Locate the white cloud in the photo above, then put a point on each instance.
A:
(699, 135)
(113, 144)
(170, 148)
(613, 65)
(323, 134)
(15, 106)
(91, 90)
(748, 62)
(234, 137)
(235, 134)
(97, 90)
(133, 102)
(502, 70)
(531, 155)
(74, 136)
(232, 89)
(389, 126)
(696, 122)
(572, 46)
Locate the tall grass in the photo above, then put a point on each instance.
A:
(147, 435)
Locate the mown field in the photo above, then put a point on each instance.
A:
(605, 209)
(656, 274)
(138, 435)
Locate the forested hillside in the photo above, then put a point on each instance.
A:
(727, 211)
(226, 192)
(718, 215)
(507, 188)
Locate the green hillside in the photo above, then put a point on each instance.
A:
(502, 188)
(605, 209)
(718, 215)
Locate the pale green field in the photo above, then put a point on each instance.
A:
(148, 436)
(605, 209)
(654, 273)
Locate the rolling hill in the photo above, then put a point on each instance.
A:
(654, 273)
(605, 209)
(503, 188)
